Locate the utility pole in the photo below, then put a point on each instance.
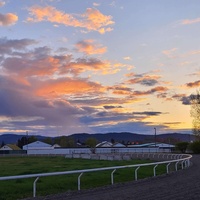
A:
(27, 140)
(155, 136)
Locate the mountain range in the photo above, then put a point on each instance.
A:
(114, 136)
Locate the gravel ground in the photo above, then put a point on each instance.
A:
(184, 184)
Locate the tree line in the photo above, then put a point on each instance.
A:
(63, 141)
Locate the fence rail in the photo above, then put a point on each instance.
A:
(185, 162)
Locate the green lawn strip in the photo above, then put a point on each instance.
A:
(21, 188)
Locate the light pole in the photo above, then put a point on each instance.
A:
(27, 140)
(155, 136)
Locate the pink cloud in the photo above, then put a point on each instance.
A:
(89, 47)
(170, 53)
(91, 20)
(190, 21)
(8, 19)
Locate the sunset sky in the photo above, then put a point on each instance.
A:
(74, 66)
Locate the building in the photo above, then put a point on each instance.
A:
(9, 147)
(117, 144)
(104, 144)
(38, 145)
(151, 145)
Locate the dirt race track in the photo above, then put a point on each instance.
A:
(184, 184)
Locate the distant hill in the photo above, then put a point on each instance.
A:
(118, 137)
(13, 138)
(134, 137)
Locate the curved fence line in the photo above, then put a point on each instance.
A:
(185, 162)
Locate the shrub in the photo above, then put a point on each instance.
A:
(182, 146)
(195, 147)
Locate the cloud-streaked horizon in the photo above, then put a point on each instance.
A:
(87, 68)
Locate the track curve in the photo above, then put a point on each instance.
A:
(183, 184)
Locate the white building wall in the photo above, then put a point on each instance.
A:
(70, 151)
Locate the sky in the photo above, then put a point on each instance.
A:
(86, 66)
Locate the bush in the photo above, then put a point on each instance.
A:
(195, 147)
(182, 146)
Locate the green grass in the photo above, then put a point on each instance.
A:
(22, 188)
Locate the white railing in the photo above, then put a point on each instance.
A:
(185, 162)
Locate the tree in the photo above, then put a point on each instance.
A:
(23, 141)
(112, 140)
(65, 141)
(48, 140)
(70, 142)
(2, 144)
(195, 147)
(32, 139)
(195, 113)
(182, 146)
(91, 142)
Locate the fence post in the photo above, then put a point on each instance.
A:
(79, 181)
(112, 179)
(168, 168)
(182, 164)
(34, 186)
(136, 173)
(154, 170)
(176, 166)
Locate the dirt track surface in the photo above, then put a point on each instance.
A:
(184, 184)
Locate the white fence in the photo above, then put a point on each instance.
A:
(64, 151)
(183, 159)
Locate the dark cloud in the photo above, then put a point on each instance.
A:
(112, 107)
(151, 91)
(148, 113)
(193, 84)
(143, 79)
(7, 46)
(186, 100)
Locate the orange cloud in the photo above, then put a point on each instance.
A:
(169, 53)
(148, 92)
(120, 90)
(8, 19)
(92, 64)
(92, 19)
(88, 47)
(64, 86)
(95, 20)
(193, 84)
(190, 21)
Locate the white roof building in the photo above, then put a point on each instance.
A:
(158, 145)
(56, 146)
(10, 147)
(117, 144)
(104, 144)
(37, 145)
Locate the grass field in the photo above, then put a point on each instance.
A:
(21, 188)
